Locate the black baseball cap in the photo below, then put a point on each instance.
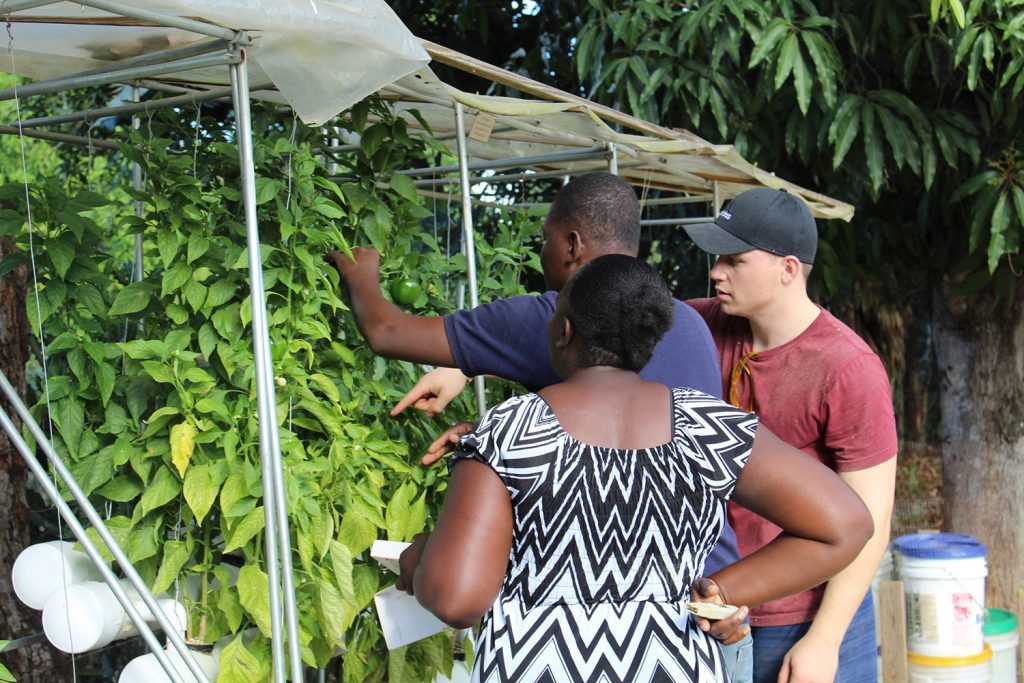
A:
(771, 220)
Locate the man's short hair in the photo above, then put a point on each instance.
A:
(603, 207)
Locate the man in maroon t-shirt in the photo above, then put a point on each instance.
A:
(819, 387)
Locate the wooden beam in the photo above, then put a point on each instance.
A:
(531, 87)
(892, 631)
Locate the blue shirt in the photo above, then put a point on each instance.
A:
(508, 339)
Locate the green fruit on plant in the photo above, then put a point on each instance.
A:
(405, 291)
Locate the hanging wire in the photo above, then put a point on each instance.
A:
(39, 312)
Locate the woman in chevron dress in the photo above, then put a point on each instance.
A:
(577, 519)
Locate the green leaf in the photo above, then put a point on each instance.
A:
(167, 243)
(1000, 221)
(200, 490)
(844, 127)
(399, 514)
(237, 664)
(131, 299)
(143, 349)
(121, 489)
(267, 189)
(249, 526)
(197, 246)
(70, 419)
(357, 530)
(61, 251)
(788, 55)
(334, 618)
(119, 527)
(164, 488)
(766, 42)
(958, 12)
(221, 292)
(254, 594)
(106, 376)
(872, 146)
(227, 602)
(176, 553)
(158, 371)
(802, 81)
(405, 187)
(174, 278)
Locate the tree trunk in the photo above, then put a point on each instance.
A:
(38, 662)
(980, 351)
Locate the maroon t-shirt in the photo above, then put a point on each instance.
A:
(825, 392)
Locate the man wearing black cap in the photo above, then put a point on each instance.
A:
(819, 387)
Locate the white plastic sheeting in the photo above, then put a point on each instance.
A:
(322, 55)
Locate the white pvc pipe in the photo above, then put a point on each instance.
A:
(87, 616)
(146, 668)
(45, 568)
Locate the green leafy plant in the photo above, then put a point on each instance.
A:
(151, 388)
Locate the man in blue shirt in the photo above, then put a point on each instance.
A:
(593, 215)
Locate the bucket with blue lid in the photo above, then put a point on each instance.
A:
(944, 585)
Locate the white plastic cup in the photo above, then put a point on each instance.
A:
(45, 568)
(88, 616)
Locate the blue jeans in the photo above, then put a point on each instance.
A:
(857, 655)
(739, 660)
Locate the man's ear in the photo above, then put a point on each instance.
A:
(792, 269)
(565, 335)
(575, 247)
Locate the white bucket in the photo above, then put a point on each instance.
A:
(975, 669)
(944, 587)
(1002, 637)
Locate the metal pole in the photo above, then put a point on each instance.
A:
(467, 231)
(204, 47)
(97, 522)
(613, 159)
(514, 177)
(597, 152)
(163, 19)
(115, 75)
(275, 504)
(136, 107)
(58, 137)
(137, 186)
(11, 6)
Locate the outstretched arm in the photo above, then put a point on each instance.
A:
(457, 571)
(824, 524)
(390, 331)
(815, 657)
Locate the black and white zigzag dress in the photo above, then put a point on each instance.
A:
(605, 545)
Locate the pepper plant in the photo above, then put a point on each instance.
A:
(150, 384)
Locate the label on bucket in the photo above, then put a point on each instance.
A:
(922, 620)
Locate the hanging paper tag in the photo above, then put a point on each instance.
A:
(482, 127)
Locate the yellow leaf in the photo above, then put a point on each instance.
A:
(182, 444)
